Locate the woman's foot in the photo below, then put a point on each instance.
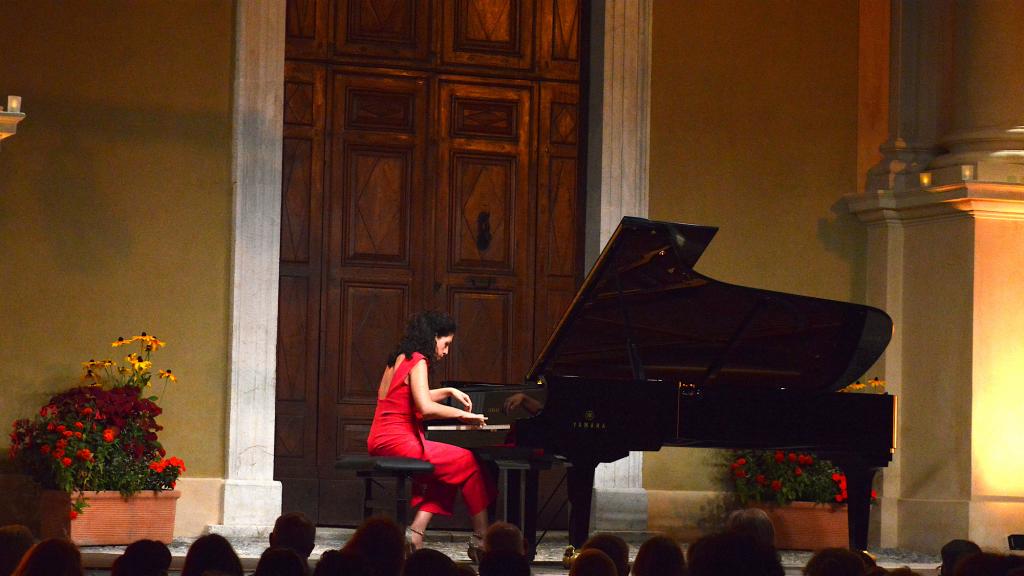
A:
(475, 551)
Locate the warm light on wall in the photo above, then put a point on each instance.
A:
(10, 117)
(925, 178)
(996, 428)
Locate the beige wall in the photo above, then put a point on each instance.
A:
(115, 203)
(754, 129)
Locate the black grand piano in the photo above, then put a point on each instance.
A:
(651, 353)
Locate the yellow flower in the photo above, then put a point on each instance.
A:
(91, 376)
(167, 374)
(120, 342)
(152, 343)
(139, 364)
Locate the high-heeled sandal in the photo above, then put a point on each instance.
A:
(475, 551)
(410, 546)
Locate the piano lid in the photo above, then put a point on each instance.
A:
(644, 313)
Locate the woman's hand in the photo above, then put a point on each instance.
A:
(473, 419)
(462, 397)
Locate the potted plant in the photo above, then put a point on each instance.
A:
(95, 446)
(805, 496)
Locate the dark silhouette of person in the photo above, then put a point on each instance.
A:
(381, 542)
(52, 557)
(143, 558)
(211, 552)
(659, 556)
(615, 547)
(15, 540)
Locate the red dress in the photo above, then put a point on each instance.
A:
(397, 430)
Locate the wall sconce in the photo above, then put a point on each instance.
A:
(925, 178)
(10, 117)
(967, 172)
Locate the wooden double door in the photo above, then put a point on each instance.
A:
(431, 160)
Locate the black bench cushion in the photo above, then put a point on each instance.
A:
(385, 464)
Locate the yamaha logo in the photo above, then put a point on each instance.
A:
(589, 422)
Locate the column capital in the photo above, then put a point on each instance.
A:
(980, 190)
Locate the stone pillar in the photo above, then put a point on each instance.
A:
(251, 496)
(620, 501)
(945, 253)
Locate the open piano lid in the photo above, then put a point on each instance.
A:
(643, 313)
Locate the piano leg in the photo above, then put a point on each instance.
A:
(858, 491)
(580, 486)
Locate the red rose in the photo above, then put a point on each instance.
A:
(78, 435)
(836, 477)
(798, 471)
(79, 425)
(68, 433)
(73, 514)
(44, 449)
(776, 485)
(760, 479)
(874, 495)
(65, 462)
(792, 457)
(839, 498)
(779, 456)
(86, 411)
(741, 461)
(740, 473)
(108, 435)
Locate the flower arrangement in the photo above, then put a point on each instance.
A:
(102, 434)
(782, 477)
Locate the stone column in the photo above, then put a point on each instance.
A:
(945, 250)
(620, 501)
(251, 496)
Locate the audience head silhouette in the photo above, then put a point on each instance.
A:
(835, 562)
(504, 563)
(732, 554)
(143, 558)
(614, 547)
(659, 556)
(293, 530)
(15, 540)
(427, 562)
(502, 536)
(341, 563)
(280, 561)
(211, 553)
(953, 551)
(753, 521)
(382, 543)
(53, 557)
(592, 562)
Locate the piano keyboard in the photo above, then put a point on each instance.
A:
(491, 427)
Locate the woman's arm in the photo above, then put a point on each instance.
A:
(425, 404)
(439, 394)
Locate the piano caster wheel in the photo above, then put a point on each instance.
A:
(569, 557)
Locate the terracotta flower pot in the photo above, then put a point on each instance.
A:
(109, 519)
(808, 526)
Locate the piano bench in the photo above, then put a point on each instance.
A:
(372, 468)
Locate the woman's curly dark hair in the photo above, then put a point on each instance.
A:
(421, 333)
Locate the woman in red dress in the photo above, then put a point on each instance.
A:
(404, 400)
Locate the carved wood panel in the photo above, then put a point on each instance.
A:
(306, 29)
(483, 252)
(299, 294)
(395, 29)
(492, 33)
(559, 217)
(484, 335)
(559, 38)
